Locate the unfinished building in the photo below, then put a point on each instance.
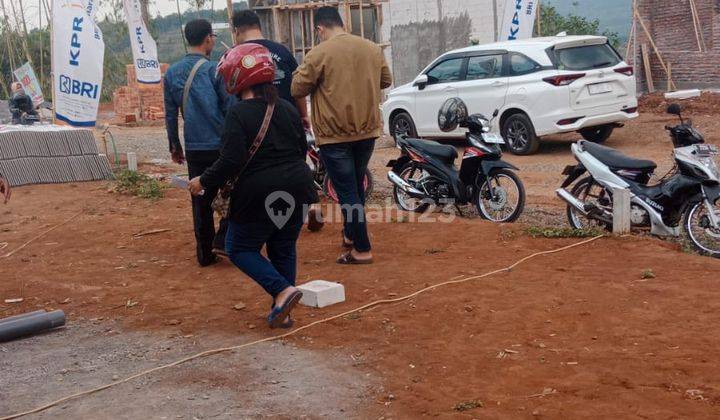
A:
(681, 40)
(412, 32)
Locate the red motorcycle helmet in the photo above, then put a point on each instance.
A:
(244, 66)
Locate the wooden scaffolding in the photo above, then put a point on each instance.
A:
(290, 22)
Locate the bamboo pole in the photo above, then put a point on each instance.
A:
(11, 52)
(538, 11)
(42, 67)
(230, 21)
(52, 68)
(23, 40)
(695, 25)
(182, 34)
(631, 38)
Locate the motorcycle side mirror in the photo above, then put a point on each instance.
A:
(674, 109)
(496, 113)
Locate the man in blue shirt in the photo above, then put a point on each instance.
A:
(203, 106)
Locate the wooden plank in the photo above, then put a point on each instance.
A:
(631, 38)
(621, 211)
(669, 77)
(693, 12)
(302, 32)
(650, 39)
(362, 20)
(648, 70)
(230, 13)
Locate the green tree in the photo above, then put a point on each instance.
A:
(552, 23)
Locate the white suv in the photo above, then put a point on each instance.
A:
(540, 86)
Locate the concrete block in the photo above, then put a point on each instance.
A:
(683, 94)
(321, 293)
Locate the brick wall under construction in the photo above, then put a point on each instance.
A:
(693, 56)
(138, 102)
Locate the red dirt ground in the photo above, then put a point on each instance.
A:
(579, 334)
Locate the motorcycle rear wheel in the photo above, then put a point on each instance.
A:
(699, 231)
(403, 200)
(589, 192)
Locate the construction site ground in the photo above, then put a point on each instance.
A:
(586, 333)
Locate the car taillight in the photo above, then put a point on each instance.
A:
(627, 71)
(563, 80)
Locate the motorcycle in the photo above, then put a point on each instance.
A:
(425, 174)
(319, 173)
(687, 198)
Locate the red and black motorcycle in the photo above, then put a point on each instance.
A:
(425, 174)
(322, 181)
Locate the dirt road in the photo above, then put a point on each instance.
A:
(578, 334)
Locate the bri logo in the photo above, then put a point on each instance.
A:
(146, 64)
(76, 87)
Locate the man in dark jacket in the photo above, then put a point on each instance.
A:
(20, 104)
(203, 103)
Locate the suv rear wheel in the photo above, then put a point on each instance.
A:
(402, 123)
(519, 134)
(597, 134)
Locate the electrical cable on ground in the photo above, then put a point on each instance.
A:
(295, 331)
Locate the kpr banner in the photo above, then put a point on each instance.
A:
(144, 49)
(78, 52)
(519, 19)
(26, 75)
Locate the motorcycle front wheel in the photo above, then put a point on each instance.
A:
(501, 198)
(699, 230)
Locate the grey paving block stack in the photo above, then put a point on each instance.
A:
(51, 156)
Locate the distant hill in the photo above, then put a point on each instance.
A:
(614, 15)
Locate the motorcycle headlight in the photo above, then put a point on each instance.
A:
(485, 125)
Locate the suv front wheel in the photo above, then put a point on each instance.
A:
(402, 123)
(519, 134)
(597, 134)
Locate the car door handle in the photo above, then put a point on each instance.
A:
(497, 83)
(449, 89)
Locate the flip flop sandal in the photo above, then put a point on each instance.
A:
(348, 259)
(347, 245)
(288, 323)
(277, 317)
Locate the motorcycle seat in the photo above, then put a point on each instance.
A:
(616, 159)
(441, 151)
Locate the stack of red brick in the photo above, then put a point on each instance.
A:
(139, 101)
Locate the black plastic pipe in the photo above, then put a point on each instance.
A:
(23, 326)
(25, 315)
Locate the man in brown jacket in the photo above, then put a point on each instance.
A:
(345, 75)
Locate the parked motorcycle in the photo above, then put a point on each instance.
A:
(689, 195)
(425, 173)
(322, 181)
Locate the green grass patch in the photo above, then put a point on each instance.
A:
(468, 405)
(551, 232)
(139, 184)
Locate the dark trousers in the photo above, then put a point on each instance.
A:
(275, 273)
(346, 164)
(203, 214)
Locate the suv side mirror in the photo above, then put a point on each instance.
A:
(421, 81)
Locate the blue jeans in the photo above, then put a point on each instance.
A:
(346, 164)
(277, 272)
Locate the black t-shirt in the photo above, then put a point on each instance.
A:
(285, 65)
(278, 165)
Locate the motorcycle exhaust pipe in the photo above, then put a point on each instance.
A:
(570, 199)
(404, 185)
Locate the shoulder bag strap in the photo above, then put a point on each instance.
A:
(257, 142)
(188, 84)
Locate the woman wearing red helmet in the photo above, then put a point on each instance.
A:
(263, 156)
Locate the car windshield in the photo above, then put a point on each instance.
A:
(587, 57)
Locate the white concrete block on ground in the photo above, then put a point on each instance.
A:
(321, 293)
